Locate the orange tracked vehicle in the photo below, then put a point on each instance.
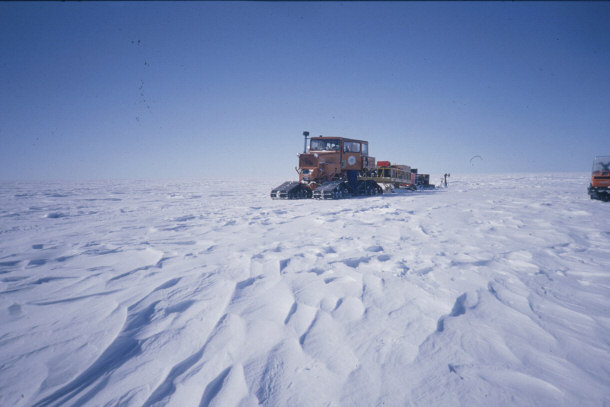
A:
(599, 188)
(337, 167)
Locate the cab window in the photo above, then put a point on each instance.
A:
(324, 144)
(351, 147)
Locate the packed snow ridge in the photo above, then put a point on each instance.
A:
(494, 291)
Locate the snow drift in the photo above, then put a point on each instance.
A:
(494, 291)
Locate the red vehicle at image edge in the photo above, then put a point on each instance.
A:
(338, 167)
(599, 188)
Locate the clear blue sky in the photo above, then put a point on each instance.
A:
(163, 90)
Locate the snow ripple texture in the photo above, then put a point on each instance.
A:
(494, 291)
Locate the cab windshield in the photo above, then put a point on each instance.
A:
(601, 164)
(324, 145)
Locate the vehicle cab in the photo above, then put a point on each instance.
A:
(600, 178)
(331, 158)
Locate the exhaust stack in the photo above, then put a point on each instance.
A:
(305, 134)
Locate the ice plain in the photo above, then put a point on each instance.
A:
(493, 291)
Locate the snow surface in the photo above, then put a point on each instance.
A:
(494, 291)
